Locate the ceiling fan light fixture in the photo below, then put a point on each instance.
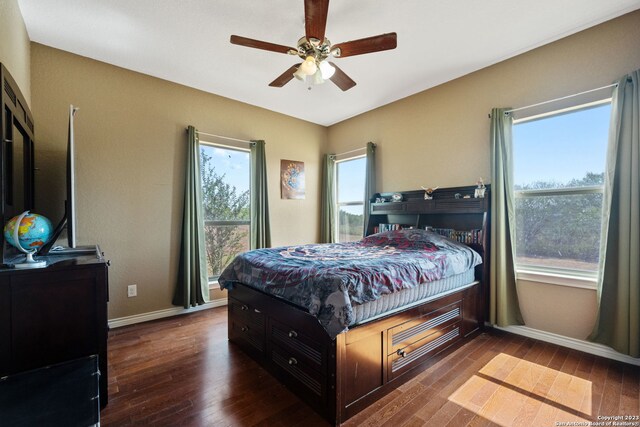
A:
(315, 49)
(300, 74)
(318, 78)
(327, 70)
(309, 66)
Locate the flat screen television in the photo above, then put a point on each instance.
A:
(68, 221)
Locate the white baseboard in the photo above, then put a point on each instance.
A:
(159, 314)
(576, 344)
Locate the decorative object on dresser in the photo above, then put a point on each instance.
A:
(480, 190)
(428, 192)
(396, 197)
(55, 314)
(28, 232)
(340, 377)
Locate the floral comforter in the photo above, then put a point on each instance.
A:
(328, 279)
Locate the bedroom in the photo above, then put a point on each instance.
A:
(132, 127)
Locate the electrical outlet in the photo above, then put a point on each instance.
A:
(132, 291)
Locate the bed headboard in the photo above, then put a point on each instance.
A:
(448, 209)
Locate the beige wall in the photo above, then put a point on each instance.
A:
(440, 137)
(130, 137)
(558, 309)
(14, 45)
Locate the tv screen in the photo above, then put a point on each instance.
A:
(68, 221)
(71, 182)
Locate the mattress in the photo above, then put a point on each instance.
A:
(389, 303)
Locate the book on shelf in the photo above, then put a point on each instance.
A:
(380, 228)
(468, 237)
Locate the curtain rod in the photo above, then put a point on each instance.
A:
(352, 151)
(223, 137)
(559, 99)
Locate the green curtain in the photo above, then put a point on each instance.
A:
(193, 285)
(369, 182)
(260, 230)
(618, 320)
(328, 212)
(504, 307)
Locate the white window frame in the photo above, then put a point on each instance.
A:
(349, 203)
(557, 275)
(213, 281)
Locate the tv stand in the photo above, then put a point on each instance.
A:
(54, 314)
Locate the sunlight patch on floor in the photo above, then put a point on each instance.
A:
(510, 391)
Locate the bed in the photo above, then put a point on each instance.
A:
(344, 324)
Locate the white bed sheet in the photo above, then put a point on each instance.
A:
(391, 303)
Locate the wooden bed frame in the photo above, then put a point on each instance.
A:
(340, 377)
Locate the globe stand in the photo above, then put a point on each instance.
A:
(29, 262)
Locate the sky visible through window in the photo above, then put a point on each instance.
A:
(561, 148)
(233, 164)
(351, 176)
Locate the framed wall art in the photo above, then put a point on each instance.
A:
(291, 179)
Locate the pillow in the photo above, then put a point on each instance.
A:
(404, 239)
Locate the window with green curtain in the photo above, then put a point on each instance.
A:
(558, 169)
(350, 184)
(225, 176)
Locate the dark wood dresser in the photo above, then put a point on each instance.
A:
(54, 314)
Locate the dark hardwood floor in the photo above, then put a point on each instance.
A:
(183, 371)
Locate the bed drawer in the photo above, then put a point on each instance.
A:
(305, 374)
(301, 346)
(247, 312)
(408, 357)
(246, 325)
(423, 326)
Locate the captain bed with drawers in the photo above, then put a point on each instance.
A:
(343, 324)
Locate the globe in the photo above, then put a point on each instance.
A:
(33, 231)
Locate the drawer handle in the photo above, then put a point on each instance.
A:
(244, 329)
(293, 361)
(401, 353)
(244, 307)
(293, 334)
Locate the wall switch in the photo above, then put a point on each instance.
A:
(132, 291)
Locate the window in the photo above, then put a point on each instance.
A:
(225, 173)
(559, 162)
(350, 177)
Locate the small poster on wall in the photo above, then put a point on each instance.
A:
(291, 179)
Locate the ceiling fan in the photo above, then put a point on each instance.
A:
(315, 49)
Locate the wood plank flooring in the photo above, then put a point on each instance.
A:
(183, 371)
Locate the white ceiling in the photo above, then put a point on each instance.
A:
(187, 42)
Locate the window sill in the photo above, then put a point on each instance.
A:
(557, 279)
(214, 285)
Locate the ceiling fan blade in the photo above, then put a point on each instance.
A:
(368, 45)
(285, 77)
(259, 44)
(341, 80)
(315, 17)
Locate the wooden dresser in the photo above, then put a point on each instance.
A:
(54, 314)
